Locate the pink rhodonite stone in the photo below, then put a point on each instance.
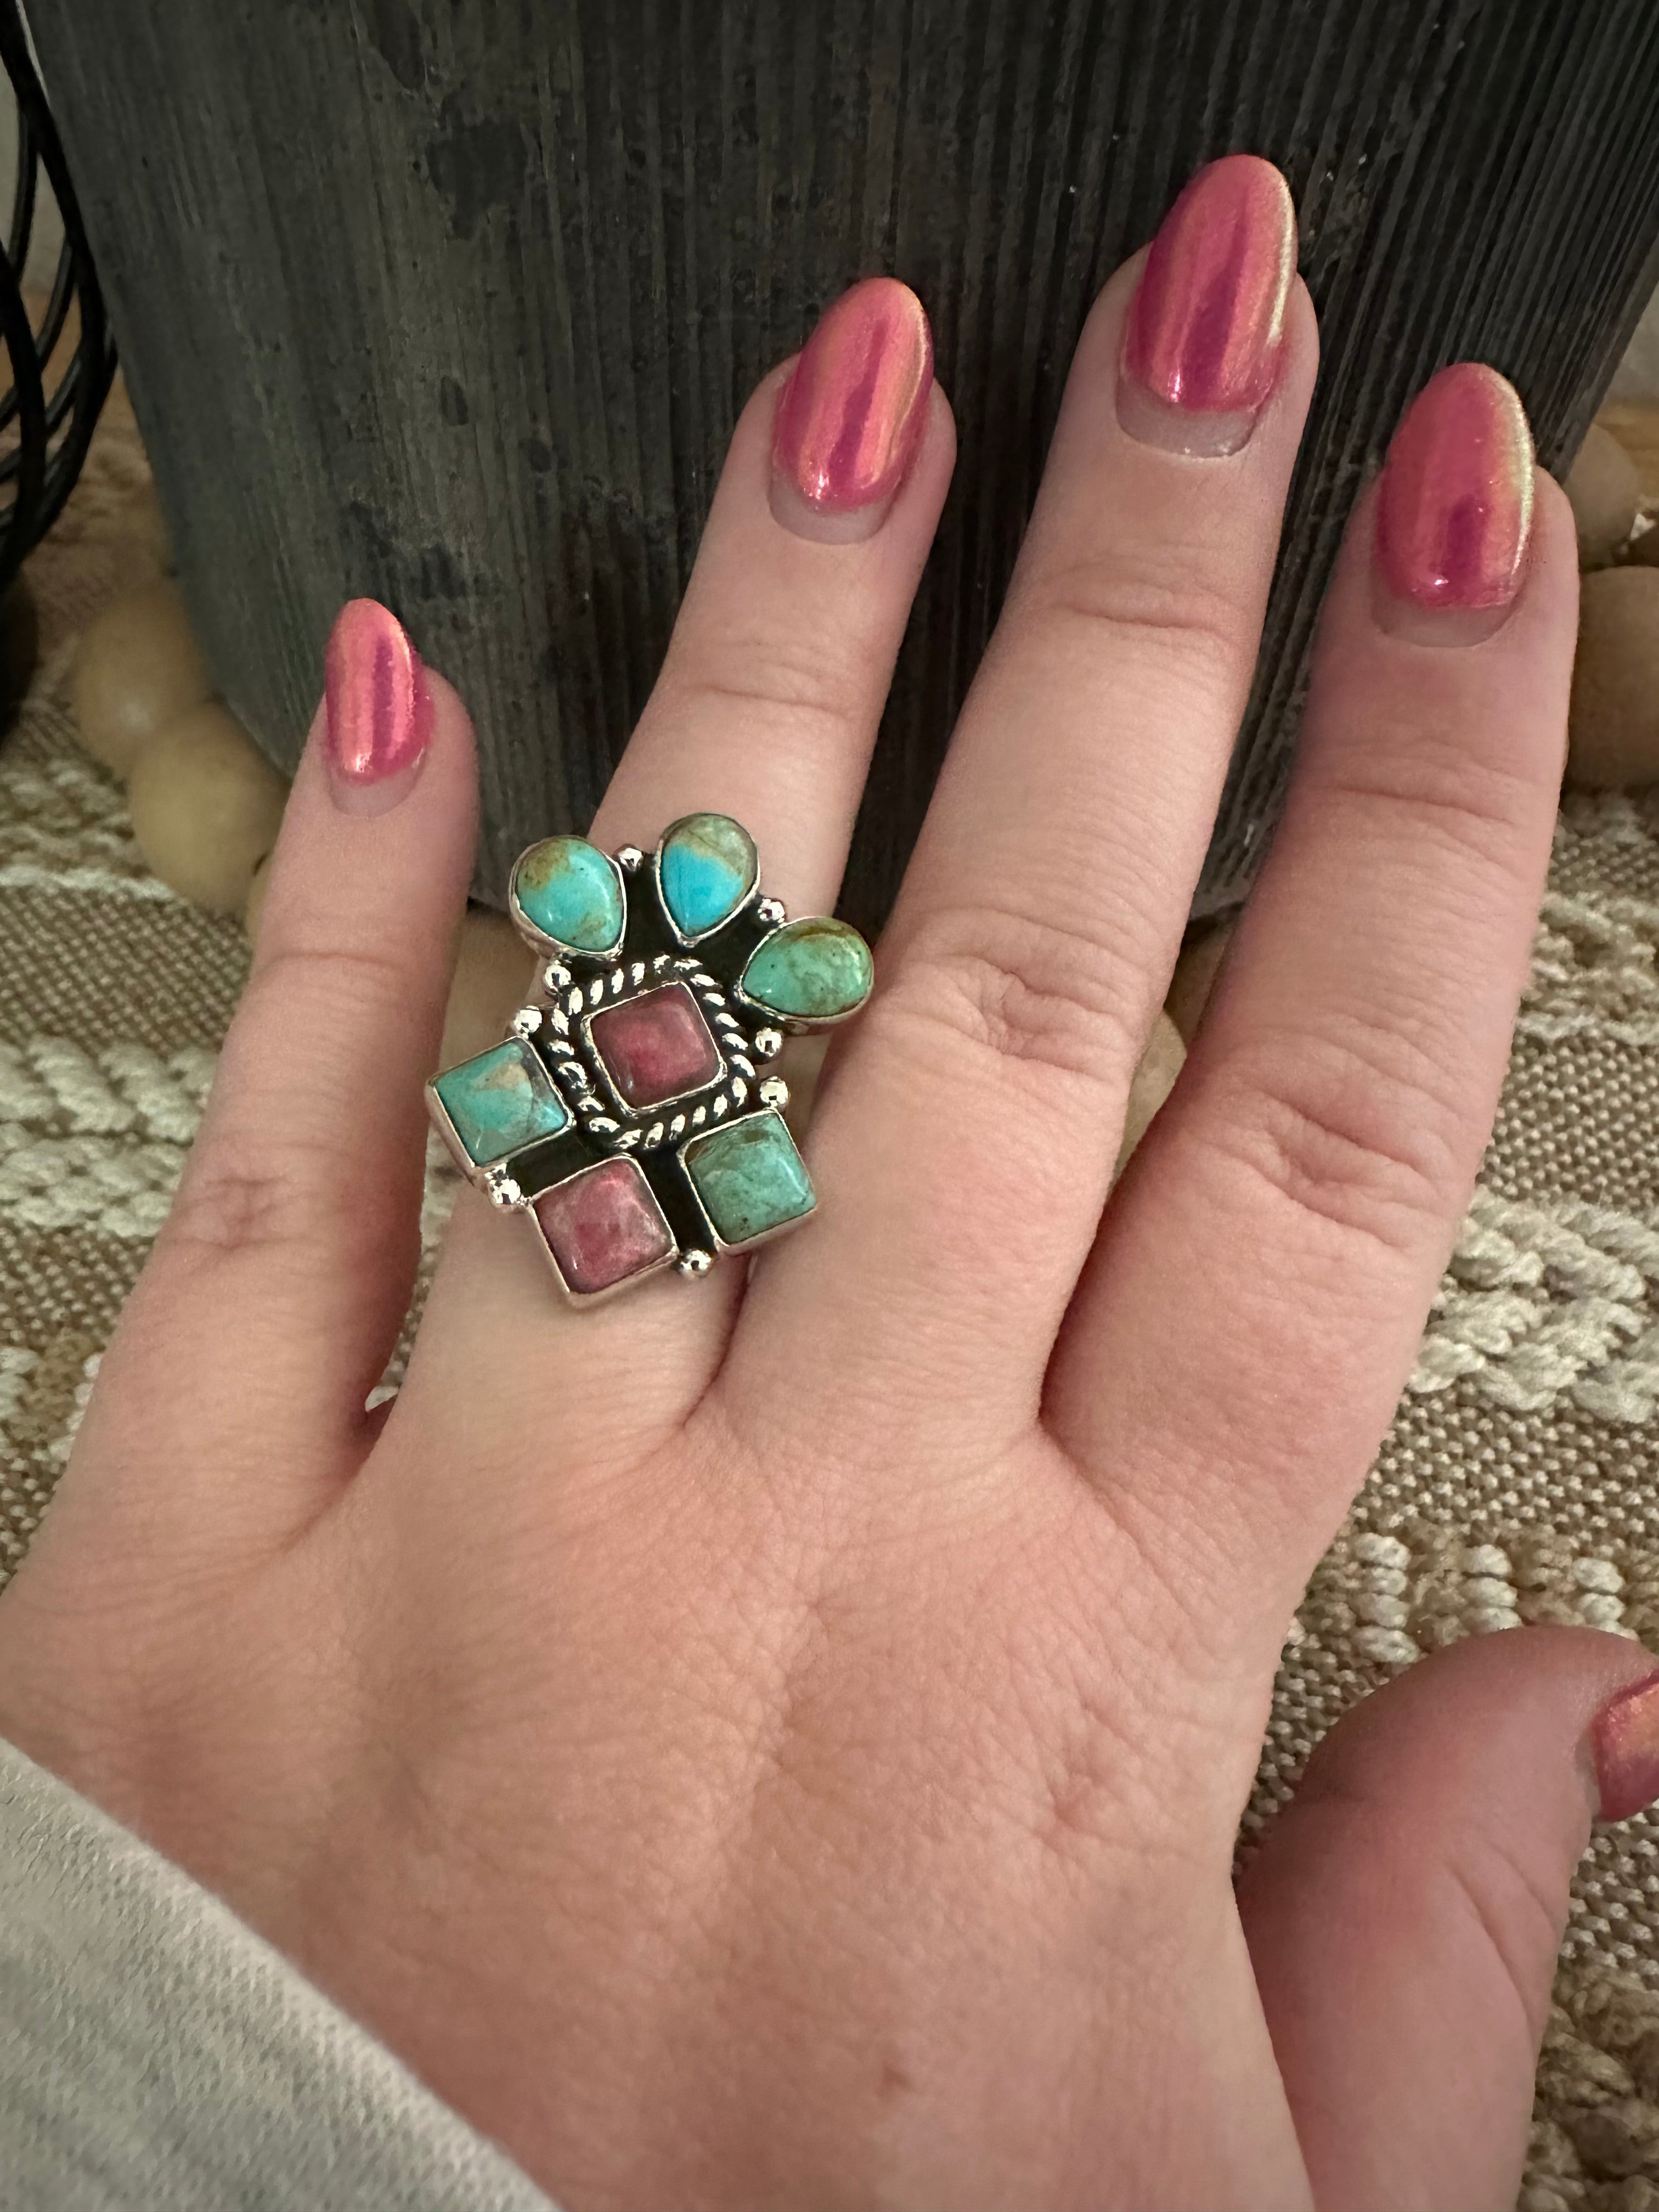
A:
(655, 1047)
(603, 1225)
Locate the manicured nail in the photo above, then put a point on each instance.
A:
(1454, 510)
(1205, 335)
(853, 412)
(1625, 1744)
(377, 709)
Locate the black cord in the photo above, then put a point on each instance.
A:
(52, 429)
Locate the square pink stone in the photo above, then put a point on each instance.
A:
(656, 1047)
(603, 1225)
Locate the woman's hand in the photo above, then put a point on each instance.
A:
(785, 1745)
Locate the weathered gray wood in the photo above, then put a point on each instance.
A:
(454, 301)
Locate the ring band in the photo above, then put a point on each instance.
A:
(626, 1114)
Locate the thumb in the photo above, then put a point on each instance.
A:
(1405, 1911)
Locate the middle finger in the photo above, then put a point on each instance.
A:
(964, 1145)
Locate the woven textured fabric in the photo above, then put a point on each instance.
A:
(1520, 1480)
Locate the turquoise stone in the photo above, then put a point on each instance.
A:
(749, 1178)
(707, 867)
(810, 972)
(500, 1100)
(571, 892)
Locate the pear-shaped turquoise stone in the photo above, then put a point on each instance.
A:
(571, 891)
(810, 972)
(707, 870)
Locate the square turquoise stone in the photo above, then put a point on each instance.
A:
(749, 1178)
(500, 1101)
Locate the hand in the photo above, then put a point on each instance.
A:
(785, 1745)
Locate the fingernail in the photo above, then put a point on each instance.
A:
(853, 412)
(1625, 1744)
(1205, 335)
(1454, 510)
(377, 709)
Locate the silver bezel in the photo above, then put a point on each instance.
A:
(596, 1056)
(538, 937)
(663, 907)
(670, 1258)
(585, 1082)
(794, 1024)
(782, 1228)
(490, 1176)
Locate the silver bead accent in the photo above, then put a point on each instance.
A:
(772, 911)
(769, 1043)
(526, 1021)
(773, 1091)
(503, 1191)
(629, 858)
(694, 1264)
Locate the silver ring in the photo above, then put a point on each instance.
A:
(626, 1114)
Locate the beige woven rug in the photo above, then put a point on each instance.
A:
(1520, 1479)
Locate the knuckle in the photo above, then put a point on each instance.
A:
(1426, 784)
(1517, 1911)
(1020, 992)
(815, 697)
(1186, 626)
(242, 1194)
(327, 979)
(1361, 1133)
(278, 1177)
(1472, 1874)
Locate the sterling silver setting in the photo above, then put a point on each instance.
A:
(531, 1121)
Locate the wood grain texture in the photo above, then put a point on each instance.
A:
(454, 301)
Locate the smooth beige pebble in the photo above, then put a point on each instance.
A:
(1604, 488)
(1614, 725)
(206, 807)
(1154, 1079)
(1635, 424)
(494, 971)
(1194, 976)
(138, 669)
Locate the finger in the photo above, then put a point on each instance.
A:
(766, 709)
(278, 1285)
(1260, 1291)
(770, 698)
(1405, 1911)
(965, 1142)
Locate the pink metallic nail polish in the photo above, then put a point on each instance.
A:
(1625, 1744)
(1204, 337)
(855, 405)
(1454, 509)
(377, 707)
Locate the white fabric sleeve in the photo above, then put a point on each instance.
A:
(155, 2052)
